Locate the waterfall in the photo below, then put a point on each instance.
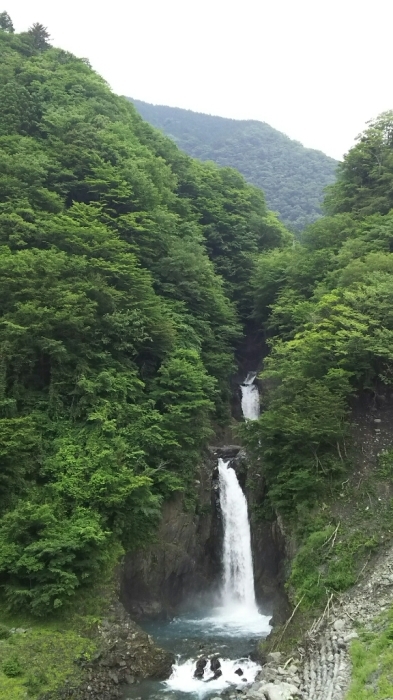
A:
(238, 615)
(238, 578)
(250, 397)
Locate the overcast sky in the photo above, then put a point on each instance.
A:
(314, 69)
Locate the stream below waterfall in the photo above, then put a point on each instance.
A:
(231, 628)
(229, 635)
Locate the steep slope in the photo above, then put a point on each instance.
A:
(324, 443)
(125, 281)
(293, 177)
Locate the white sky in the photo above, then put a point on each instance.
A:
(314, 69)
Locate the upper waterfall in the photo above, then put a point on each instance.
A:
(250, 397)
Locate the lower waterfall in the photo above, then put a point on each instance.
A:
(238, 576)
(237, 616)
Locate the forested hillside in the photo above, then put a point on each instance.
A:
(124, 285)
(293, 177)
(326, 307)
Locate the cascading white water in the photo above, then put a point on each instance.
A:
(238, 615)
(250, 397)
(183, 679)
(238, 580)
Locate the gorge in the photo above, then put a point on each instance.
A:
(213, 641)
(138, 287)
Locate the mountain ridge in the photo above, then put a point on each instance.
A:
(292, 176)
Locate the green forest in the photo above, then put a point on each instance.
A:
(326, 309)
(130, 274)
(125, 285)
(292, 177)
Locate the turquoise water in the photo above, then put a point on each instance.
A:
(229, 633)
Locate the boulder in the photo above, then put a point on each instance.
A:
(226, 452)
(215, 663)
(200, 667)
(339, 625)
(279, 691)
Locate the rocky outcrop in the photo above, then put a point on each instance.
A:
(200, 668)
(226, 452)
(125, 655)
(184, 561)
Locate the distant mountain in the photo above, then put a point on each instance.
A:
(293, 177)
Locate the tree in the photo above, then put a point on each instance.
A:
(6, 23)
(183, 392)
(40, 36)
(365, 177)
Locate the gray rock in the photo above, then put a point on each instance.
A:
(339, 625)
(279, 691)
(200, 668)
(350, 636)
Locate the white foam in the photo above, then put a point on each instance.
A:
(182, 678)
(237, 621)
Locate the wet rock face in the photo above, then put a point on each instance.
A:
(270, 548)
(186, 559)
(226, 452)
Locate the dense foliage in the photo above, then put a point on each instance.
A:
(330, 326)
(293, 177)
(124, 283)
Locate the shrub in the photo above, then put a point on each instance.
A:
(12, 667)
(4, 632)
